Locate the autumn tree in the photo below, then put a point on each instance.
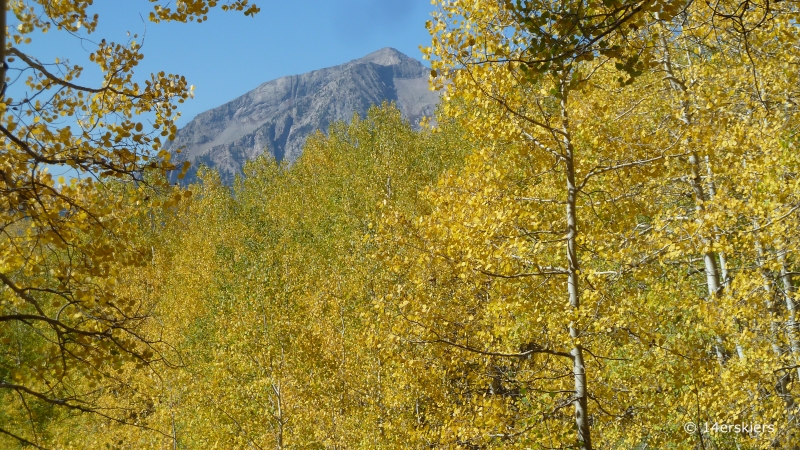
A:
(528, 78)
(267, 290)
(66, 326)
(596, 245)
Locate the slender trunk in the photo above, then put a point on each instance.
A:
(770, 302)
(723, 267)
(3, 66)
(578, 367)
(174, 430)
(709, 258)
(279, 396)
(696, 182)
(791, 307)
(723, 260)
(782, 385)
(277, 388)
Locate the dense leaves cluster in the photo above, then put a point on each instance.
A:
(635, 236)
(595, 246)
(269, 293)
(70, 323)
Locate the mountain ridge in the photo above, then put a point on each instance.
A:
(278, 115)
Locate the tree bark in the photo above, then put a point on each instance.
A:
(782, 385)
(723, 260)
(770, 303)
(578, 367)
(696, 182)
(791, 307)
(709, 258)
(3, 64)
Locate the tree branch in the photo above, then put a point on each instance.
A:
(525, 354)
(65, 83)
(20, 439)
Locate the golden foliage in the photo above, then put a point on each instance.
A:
(71, 325)
(595, 248)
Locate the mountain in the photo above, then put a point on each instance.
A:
(279, 115)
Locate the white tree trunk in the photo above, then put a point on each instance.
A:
(774, 327)
(791, 307)
(723, 260)
(696, 182)
(578, 367)
(3, 9)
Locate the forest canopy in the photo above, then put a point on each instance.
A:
(593, 245)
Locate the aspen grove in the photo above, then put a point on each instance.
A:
(593, 245)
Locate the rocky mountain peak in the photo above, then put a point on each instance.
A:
(279, 115)
(386, 56)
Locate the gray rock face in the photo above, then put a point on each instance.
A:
(280, 114)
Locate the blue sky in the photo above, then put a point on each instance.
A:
(231, 54)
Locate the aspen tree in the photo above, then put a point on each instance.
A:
(67, 327)
(486, 51)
